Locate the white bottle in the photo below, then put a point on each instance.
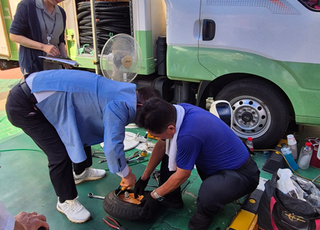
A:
(305, 156)
(292, 143)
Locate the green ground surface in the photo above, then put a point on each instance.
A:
(25, 184)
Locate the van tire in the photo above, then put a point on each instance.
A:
(120, 209)
(259, 111)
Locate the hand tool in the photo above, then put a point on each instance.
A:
(104, 160)
(95, 155)
(133, 156)
(116, 226)
(135, 159)
(156, 175)
(94, 196)
(139, 156)
(121, 189)
(98, 152)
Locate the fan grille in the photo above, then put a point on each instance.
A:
(121, 58)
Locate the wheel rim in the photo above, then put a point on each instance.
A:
(251, 117)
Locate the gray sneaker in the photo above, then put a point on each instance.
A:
(74, 211)
(89, 174)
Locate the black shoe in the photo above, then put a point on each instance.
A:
(199, 221)
(170, 203)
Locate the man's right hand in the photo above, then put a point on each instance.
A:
(140, 187)
(128, 181)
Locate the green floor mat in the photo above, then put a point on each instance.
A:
(25, 186)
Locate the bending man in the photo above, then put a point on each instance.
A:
(66, 110)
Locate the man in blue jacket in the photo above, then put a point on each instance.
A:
(66, 110)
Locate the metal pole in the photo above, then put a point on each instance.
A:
(94, 36)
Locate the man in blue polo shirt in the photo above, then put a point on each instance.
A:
(188, 136)
(64, 111)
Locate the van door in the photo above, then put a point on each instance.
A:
(183, 28)
(276, 30)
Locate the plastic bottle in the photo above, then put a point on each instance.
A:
(292, 143)
(305, 156)
(249, 143)
(286, 151)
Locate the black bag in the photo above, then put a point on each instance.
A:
(278, 211)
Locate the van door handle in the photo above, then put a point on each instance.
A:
(208, 30)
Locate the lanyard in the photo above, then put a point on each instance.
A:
(49, 36)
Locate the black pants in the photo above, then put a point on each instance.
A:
(227, 186)
(164, 176)
(23, 113)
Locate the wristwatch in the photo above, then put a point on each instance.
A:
(157, 196)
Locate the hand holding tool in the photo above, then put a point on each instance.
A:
(121, 188)
(94, 196)
(116, 226)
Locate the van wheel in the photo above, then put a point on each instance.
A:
(259, 111)
(121, 209)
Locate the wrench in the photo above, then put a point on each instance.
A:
(94, 196)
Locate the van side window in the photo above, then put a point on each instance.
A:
(314, 4)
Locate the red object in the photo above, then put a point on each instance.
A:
(116, 226)
(314, 162)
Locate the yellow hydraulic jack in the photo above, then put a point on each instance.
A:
(246, 218)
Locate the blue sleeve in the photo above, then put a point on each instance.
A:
(115, 118)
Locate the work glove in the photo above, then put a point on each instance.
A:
(140, 187)
(150, 206)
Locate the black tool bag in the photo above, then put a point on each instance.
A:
(278, 211)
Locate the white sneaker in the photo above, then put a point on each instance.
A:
(74, 211)
(89, 174)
